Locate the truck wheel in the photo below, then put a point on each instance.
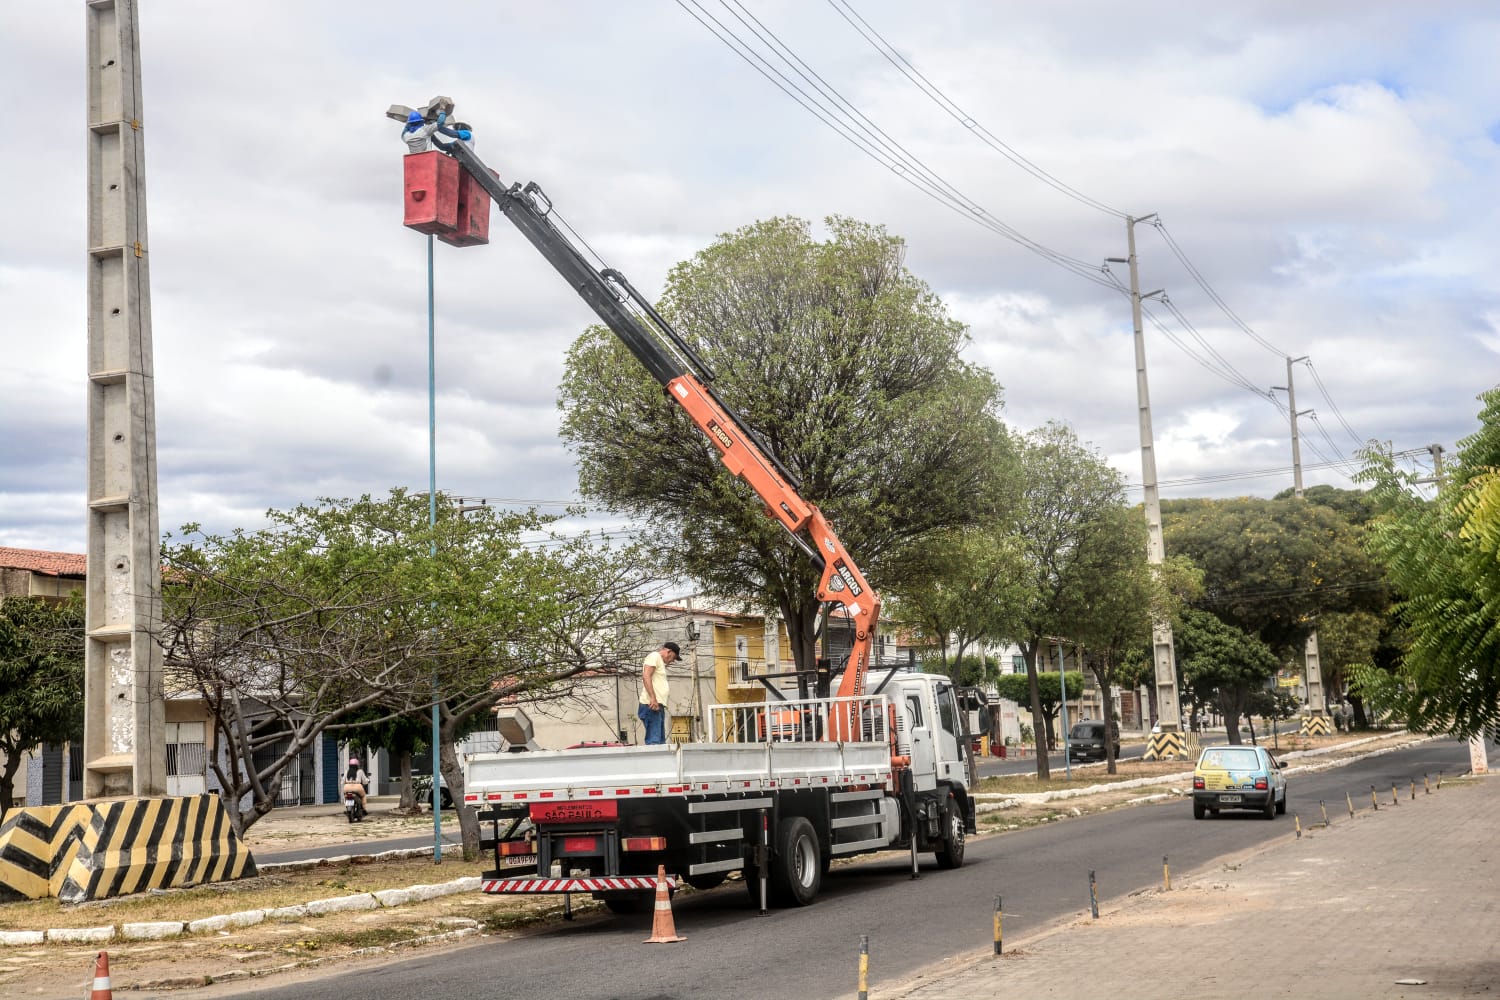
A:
(703, 883)
(796, 870)
(625, 906)
(951, 854)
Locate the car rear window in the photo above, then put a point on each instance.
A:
(1230, 759)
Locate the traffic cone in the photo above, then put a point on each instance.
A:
(101, 989)
(663, 930)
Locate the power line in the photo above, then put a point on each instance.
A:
(936, 95)
(863, 138)
(1328, 397)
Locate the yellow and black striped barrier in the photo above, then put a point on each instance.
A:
(95, 850)
(1317, 725)
(1166, 746)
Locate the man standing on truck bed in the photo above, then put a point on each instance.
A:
(653, 709)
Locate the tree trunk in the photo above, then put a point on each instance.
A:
(408, 803)
(8, 782)
(1038, 721)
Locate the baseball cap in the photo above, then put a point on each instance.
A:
(673, 647)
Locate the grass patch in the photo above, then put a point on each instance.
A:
(1083, 777)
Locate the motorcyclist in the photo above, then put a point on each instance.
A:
(356, 781)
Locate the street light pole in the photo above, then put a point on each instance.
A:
(437, 786)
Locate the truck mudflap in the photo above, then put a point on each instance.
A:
(614, 883)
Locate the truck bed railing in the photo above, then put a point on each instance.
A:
(802, 720)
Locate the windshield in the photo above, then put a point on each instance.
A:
(1231, 759)
(1087, 731)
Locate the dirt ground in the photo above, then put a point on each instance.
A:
(300, 945)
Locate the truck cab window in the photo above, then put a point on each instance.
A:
(947, 714)
(914, 711)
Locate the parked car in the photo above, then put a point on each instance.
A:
(1238, 778)
(1086, 741)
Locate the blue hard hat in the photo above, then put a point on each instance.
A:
(415, 118)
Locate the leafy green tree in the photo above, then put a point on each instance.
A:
(1114, 596)
(1018, 688)
(1346, 641)
(345, 605)
(41, 681)
(1443, 559)
(846, 367)
(1272, 567)
(1221, 665)
(970, 593)
(1070, 501)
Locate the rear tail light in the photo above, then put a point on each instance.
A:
(1197, 784)
(509, 848)
(1260, 784)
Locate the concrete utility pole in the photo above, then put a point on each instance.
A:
(1161, 633)
(1312, 667)
(124, 734)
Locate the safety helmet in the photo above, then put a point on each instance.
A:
(354, 760)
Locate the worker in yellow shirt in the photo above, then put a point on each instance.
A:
(653, 708)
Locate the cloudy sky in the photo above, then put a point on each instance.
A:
(1329, 170)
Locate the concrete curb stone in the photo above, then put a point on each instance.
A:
(244, 918)
(156, 930)
(342, 904)
(81, 935)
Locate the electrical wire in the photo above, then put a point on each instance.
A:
(911, 171)
(1328, 398)
(1208, 289)
(936, 95)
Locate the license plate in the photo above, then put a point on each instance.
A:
(1230, 798)
(516, 860)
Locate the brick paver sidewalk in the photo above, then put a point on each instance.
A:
(1397, 903)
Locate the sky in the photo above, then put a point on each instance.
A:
(1328, 171)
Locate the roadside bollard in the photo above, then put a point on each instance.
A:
(1426, 785)
(1414, 789)
(1350, 799)
(864, 967)
(1395, 799)
(1324, 810)
(1373, 800)
(1440, 779)
(1298, 820)
(997, 925)
(1093, 895)
(1166, 875)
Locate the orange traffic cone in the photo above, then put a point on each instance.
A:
(101, 989)
(663, 930)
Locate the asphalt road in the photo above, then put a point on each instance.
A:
(731, 952)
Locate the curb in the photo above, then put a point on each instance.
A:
(160, 930)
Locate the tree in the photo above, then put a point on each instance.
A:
(848, 370)
(970, 593)
(1272, 567)
(1222, 665)
(348, 604)
(1069, 495)
(1018, 688)
(1115, 595)
(41, 681)
(1443, 559)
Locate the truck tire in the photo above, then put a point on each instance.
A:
(951, 854)
(703, 883)
(796, 869)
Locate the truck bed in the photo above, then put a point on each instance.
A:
(714, 767)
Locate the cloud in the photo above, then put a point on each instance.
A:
(1328, 168)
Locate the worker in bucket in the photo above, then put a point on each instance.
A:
(419, 131)
(653, 708)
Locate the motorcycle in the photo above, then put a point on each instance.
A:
(353, 808)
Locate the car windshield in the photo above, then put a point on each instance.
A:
(1087, 731)
(1231, 759)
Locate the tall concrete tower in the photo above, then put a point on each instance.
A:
(124, 735)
